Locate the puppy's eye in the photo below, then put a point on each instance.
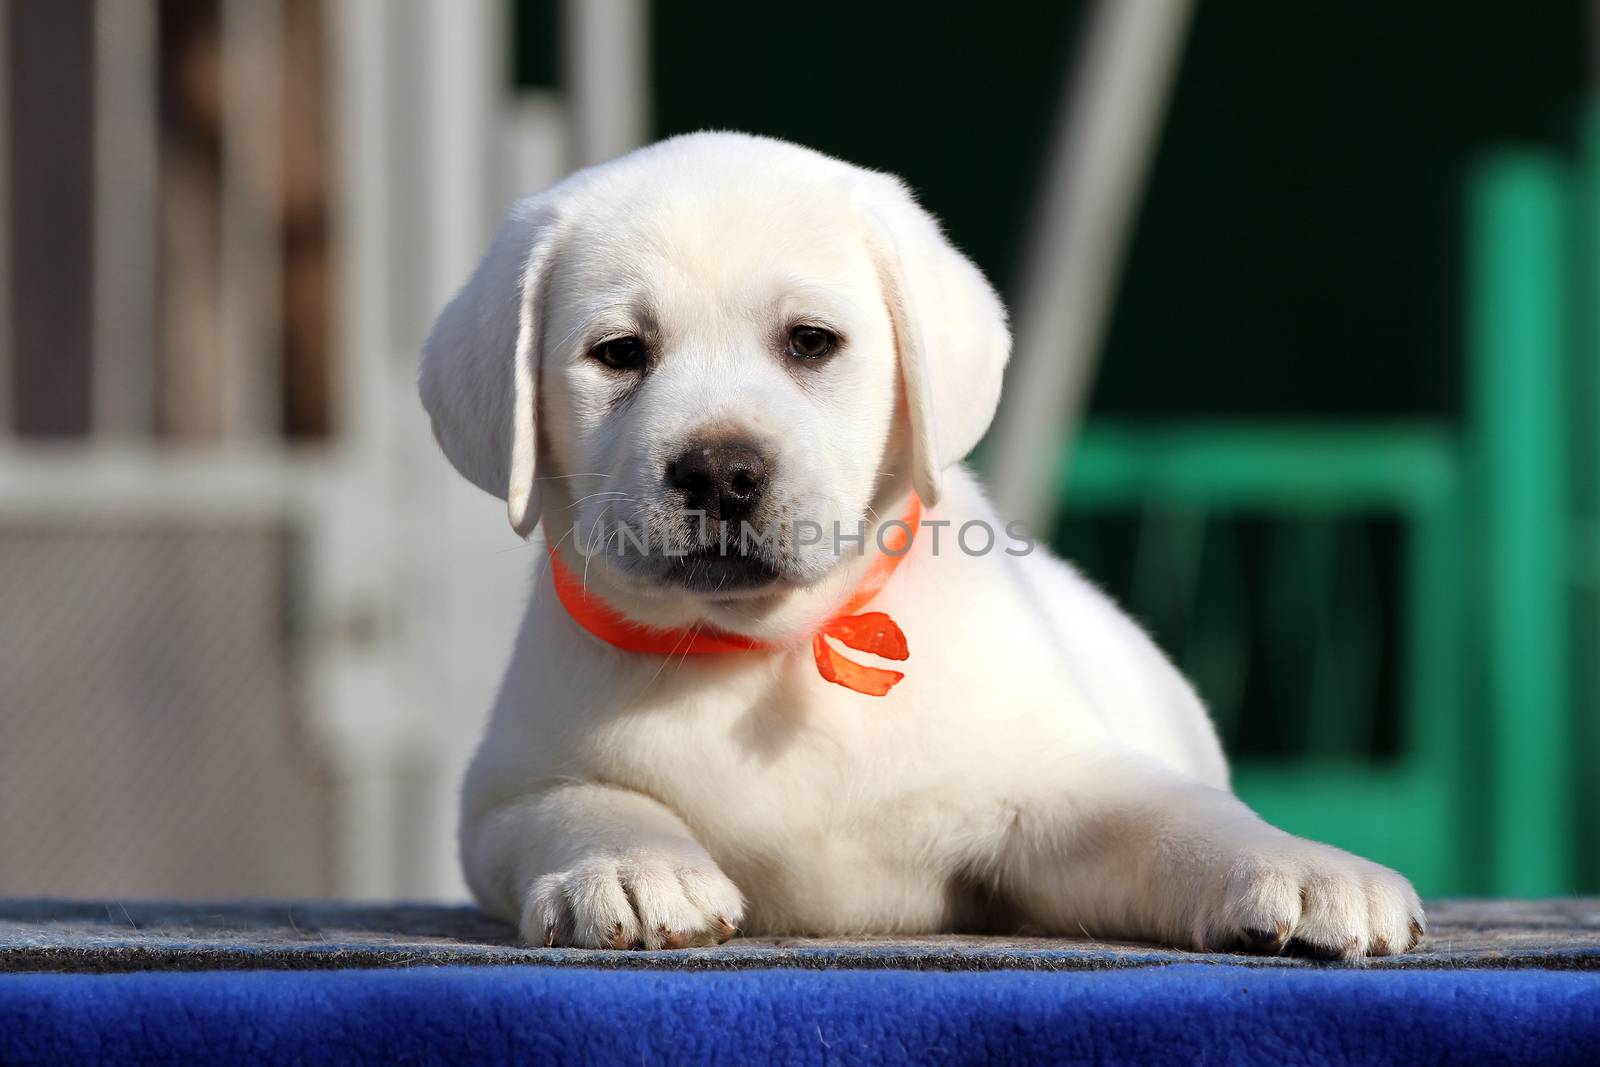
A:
(811, 342)
(620, 353)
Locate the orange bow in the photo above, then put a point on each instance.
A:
(871, 631)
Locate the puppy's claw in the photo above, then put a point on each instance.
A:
(619, 939)
(723, 930)
(1273, 941)
(1416, 935)
(673, 939)
(550, 936)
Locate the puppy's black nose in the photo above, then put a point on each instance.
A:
(723, 478)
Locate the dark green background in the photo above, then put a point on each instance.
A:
(1298, 249)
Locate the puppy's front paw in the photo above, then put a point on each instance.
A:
(633, 900)
(1312, 896)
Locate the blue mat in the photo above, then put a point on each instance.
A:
(113, 935)
(1180, 1014)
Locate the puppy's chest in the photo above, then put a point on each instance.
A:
(782, 759)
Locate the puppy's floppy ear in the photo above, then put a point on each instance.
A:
(480, 365)
(950, 328)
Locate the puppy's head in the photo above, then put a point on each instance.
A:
(697, 362)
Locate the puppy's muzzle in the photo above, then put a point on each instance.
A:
(722, 477)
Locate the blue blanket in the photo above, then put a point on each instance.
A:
(1180, 1014)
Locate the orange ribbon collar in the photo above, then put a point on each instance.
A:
(870, 631)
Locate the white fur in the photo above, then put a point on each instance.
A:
(1041, 766)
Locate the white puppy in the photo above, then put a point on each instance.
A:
(722, 332)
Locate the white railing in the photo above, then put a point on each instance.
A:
(412, 584)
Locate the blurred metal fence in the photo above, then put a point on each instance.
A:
(151, 740)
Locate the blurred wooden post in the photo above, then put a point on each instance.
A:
(1586, 481)
(252, 262)
(126, 260)
(1518, 331)
(50, 56)
(606, 74)
(7, 422)
(1106, 131)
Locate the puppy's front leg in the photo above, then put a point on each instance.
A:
(1127, 848)
(594, 866)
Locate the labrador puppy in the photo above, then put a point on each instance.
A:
(874, 710)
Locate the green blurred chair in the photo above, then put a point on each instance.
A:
(1474, 788)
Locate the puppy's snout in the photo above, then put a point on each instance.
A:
(723, 478)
